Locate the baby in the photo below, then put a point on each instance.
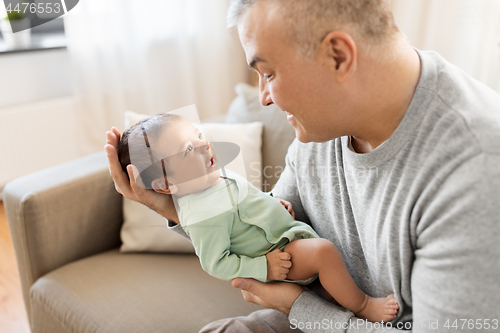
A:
(237, 230)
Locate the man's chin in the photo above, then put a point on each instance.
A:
(305, 137)
(302, 135)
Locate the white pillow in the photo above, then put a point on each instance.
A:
(143, 230)
(249, 138)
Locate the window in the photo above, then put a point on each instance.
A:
(49, 35)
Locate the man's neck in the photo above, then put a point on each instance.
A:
(395, 84)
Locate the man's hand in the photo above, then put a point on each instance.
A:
(127, 186)
(288, 206)
(272, 295)
(278, 264)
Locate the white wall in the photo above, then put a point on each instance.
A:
(464, 32)
(37, 113)
(33, 76)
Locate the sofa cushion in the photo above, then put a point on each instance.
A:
(277, 136)
(114, 292)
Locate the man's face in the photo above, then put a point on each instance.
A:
(191, 163)
(303, 87)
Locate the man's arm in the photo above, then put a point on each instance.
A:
(454, 279)
(126, 185)
(306, 310)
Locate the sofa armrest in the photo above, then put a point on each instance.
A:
(62, 214)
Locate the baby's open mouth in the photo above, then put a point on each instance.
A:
(210, 163)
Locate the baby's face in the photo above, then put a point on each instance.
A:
(191, 161)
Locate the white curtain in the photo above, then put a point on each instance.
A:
(149, 56)
(465, 32)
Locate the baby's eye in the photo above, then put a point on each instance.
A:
(189, 149)
(200, 136)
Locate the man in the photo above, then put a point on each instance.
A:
(396, 162)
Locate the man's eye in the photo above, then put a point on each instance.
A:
(266, 77)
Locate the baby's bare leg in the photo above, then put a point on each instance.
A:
(319, 256)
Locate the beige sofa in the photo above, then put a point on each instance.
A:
(65, 223)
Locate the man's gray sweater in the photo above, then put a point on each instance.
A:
(419, 216)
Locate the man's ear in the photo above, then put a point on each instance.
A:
(341, 54)
(163, 186)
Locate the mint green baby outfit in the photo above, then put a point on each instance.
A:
(233, 225)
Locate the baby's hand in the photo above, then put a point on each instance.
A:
(288, 206)
(278, 264)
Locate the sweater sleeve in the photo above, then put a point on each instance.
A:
(177, 228)
(454, 279)
(212, 241)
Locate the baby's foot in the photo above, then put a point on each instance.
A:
(379, 309)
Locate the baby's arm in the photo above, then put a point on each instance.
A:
(212, 241)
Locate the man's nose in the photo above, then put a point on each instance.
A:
(264, 95)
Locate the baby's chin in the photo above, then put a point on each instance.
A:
(215, 174)
(213, 178)
(202, 183)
